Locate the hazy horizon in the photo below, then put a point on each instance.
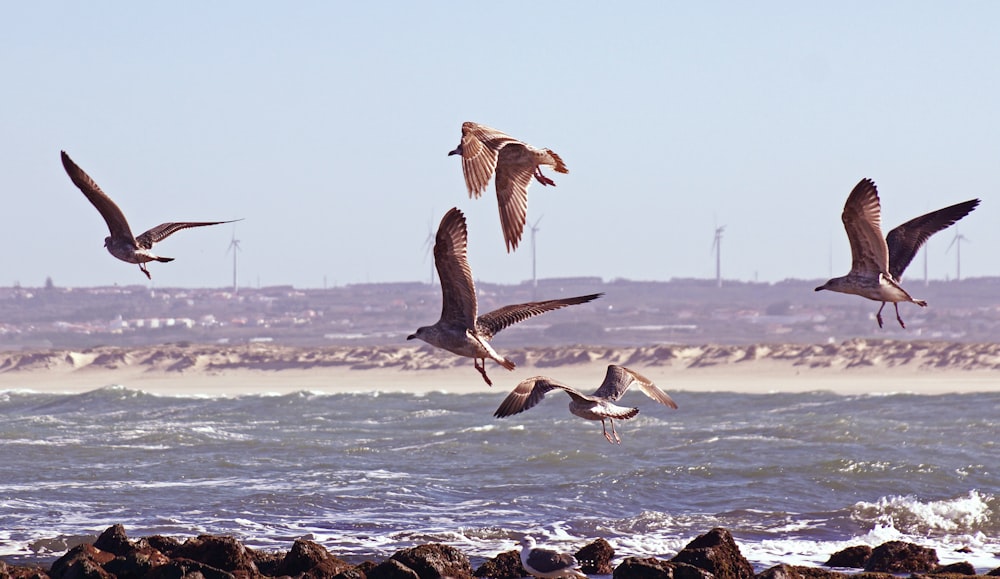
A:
(326, 128)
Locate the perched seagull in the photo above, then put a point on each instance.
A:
(877, 264)
(121, 243)
(461, 329)
(601, 406)
(485, 151)
(548, 563)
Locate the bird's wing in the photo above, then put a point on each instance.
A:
(491, 323)
(165, 230)
(862, 219)
(480, 147)
(549, 561)
(515, 169)
(113, 216)
(458, 292)
(618, 380)
(530, 392)
(905, 241)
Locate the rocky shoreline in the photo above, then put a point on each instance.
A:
(199, 358)
(713, 555)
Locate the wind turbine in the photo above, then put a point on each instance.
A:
(957, 242)
(534, 230)
(717, 247)
(429, 244)
(234, 246)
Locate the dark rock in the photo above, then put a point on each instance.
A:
(780, 571)
(137, 563)
(595, 558)
(994, 573)
(644, 568)
(901, 557)
(18, 572)
(717, 553)
(435, 560)
(960, 568)
(653, 568)
(165, 545)
(356, 572)
(187, 569)
(114, 540)
(851, 557)
(506, 565)
(266, 561)
(392, 569)
(82, 562)
(306, 555)
(224, 553)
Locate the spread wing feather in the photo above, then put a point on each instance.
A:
(906, 240)
(113, 216)
(618, 380)
(458, 292)
(862, 219)
(491, 323)
(530, 392)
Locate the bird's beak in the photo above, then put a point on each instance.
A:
(819, 288)
(457, 151)
(411, 336)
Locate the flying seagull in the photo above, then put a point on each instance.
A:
(484, 151)
(548, 563)
(601, 406)
(877, 264)
(121, 243)
(461, 329)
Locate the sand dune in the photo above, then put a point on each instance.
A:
(853, 366)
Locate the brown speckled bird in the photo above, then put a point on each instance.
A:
(877, 264)
(461, 330)
(485, 150)
(121, 243)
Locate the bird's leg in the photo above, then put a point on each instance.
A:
(618, 439)
(878, 316)
(142, 268)
(605, 428)
(542, 178)
(899, 319)
(482, 370)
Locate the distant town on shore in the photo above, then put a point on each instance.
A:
(631, 313)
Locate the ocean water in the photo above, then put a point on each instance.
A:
(794, 477)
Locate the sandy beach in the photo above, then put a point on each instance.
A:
(852, 367)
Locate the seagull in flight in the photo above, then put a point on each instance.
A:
(121, 243)
(600, 406)
(486, 151)
(877, 264)
(461, 330)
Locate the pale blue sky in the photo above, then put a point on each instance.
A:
(326, 126)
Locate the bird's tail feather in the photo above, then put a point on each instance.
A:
(164, 259)
(560, 167)
(507, 364)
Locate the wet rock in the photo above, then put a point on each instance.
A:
(960, 568)
(392, 569)
(595, 558)
(653, 568)
(187, 569)
(223, 553)
(851, 557)
(18, 572)
(901, 557)
(995, 572)
(136, 563)
(717, 553)
(82, 562)
(435, 560)
(356, 572)
(165, 545)
(311, 559)
(267, 561)
(114, 540)
(506, 565)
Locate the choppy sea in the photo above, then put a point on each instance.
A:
(794, 477)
